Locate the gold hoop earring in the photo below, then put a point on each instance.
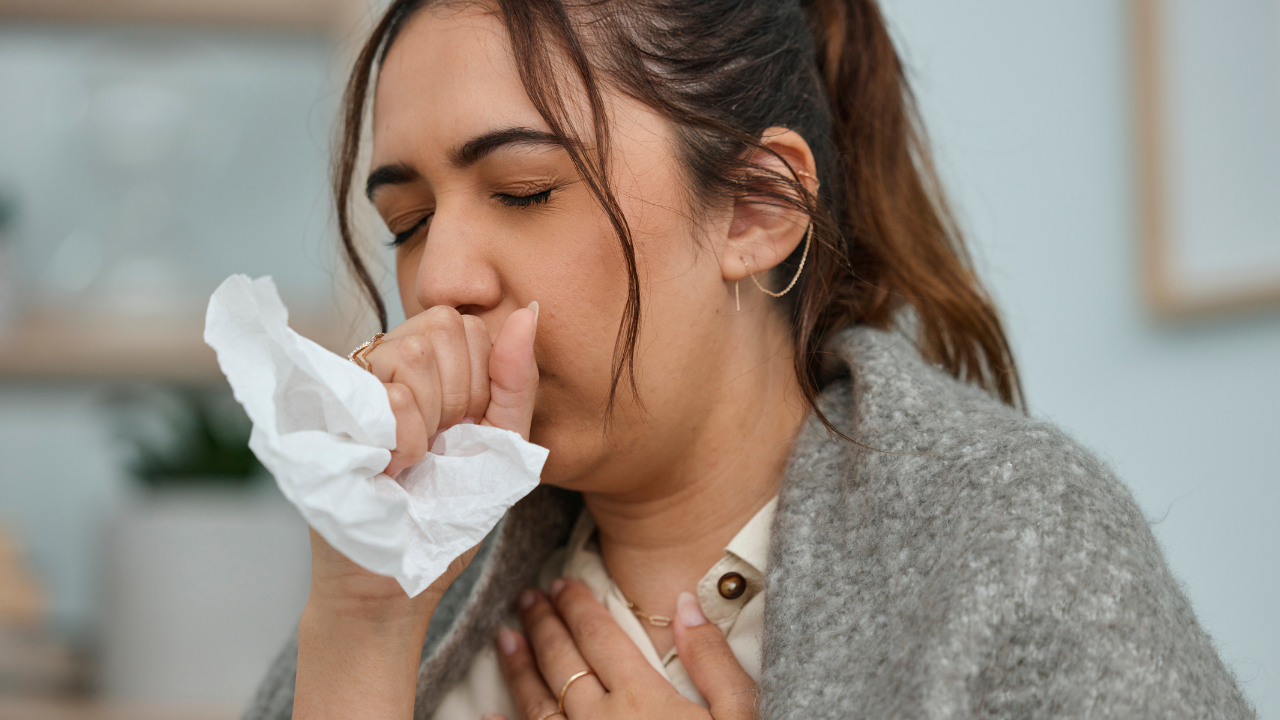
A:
(808, 236)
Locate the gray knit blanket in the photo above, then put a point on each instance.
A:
(967, 562)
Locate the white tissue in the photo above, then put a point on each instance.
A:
(325, 430)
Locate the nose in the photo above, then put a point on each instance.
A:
(453, 270)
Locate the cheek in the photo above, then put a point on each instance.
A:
(587, 289)
(581, 287)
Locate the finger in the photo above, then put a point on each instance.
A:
(410, 360)
(448, 336)
(528, 689)
(513, 373)
(597, 636)
(411, 436)
(478, 346)
(729, 690)
(557, 655)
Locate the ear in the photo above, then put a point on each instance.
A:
(761, 234)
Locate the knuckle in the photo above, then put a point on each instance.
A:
(473, 324)
(746, 700)
(415, 348)
(706, 644)
(711, 642)
(477, 336)
(455, 400)
(592, 627)
(401, 397)
(559, 651)
(444, 315)
(550, 644)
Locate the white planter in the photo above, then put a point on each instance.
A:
(201, 588)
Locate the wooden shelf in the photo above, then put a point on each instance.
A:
(47, 345)
(281, 14)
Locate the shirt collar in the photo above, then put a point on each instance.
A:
(750, 544)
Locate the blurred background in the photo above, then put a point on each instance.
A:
(1115, 164)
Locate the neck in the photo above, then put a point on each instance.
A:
(661, 537)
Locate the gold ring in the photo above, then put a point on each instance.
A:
(569, 682)
(357, 356)
(553, 712)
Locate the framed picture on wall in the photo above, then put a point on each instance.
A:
(1208, 110)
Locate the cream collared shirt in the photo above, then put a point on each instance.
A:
(484, 690)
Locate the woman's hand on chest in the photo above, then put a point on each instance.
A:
(571, 633)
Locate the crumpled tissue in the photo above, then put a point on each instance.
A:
(325, 430)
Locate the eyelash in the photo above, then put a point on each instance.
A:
(404, 237)
(515, 201)
(522, 201)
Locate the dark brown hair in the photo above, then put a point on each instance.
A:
(723, 71)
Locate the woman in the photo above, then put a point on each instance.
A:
(761, 500)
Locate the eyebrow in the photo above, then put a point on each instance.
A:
(464, 155)
(394, 174)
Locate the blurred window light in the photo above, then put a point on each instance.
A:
(144, 164)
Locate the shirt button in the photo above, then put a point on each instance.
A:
(732, 585)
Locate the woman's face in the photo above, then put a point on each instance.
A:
(492, 215)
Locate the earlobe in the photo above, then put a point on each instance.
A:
(804, 256)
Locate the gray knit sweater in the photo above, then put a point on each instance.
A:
(985, 566)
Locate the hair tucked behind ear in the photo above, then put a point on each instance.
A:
(723, 71)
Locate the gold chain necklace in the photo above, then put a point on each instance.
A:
(654, 620)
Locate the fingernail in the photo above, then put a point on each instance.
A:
(527, 599)
(507, 641)
(467, 421)
(534, 307)
(557, 586)
(688, 611)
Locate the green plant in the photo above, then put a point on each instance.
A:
(182, 436)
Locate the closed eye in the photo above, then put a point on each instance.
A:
(516, 201)
(537, 198)
(404, 237)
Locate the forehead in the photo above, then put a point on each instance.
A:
(449, 76)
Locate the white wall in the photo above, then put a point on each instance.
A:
(1030, 107)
